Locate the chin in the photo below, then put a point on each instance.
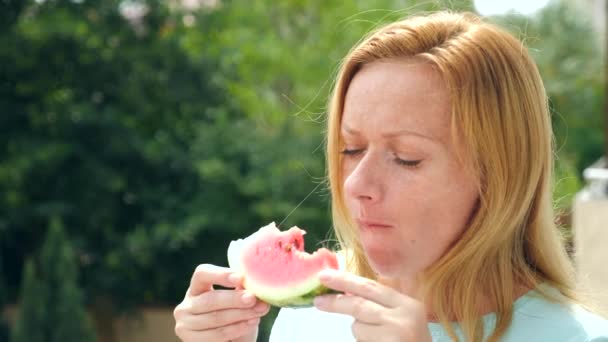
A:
(386, 264)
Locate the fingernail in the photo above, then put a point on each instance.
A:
(260, 307)
(248, 298)
(253, 321)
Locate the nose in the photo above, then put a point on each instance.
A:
(364, 182)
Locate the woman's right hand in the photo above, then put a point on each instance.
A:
(217, 315)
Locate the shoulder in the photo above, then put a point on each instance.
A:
(590, 325)
(539, 317)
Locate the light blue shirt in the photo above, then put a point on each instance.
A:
(534, 319)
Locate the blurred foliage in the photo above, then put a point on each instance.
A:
(98, 125)
(52, 309)
(158, 132)
(567, 50)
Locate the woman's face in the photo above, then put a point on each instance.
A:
(403, 183)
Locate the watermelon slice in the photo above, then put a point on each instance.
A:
(276, 268)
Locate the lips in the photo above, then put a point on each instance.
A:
(372, 224)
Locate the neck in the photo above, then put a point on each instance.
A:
(409, 286)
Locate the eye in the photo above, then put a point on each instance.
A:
(351, 152)
(407, 163)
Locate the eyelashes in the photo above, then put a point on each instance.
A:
(408, 163)
(399, 161)
(352, 152)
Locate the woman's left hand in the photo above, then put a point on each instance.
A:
(380, 312)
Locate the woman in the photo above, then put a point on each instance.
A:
(440, 163)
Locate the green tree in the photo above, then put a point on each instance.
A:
(52, 303)
(31, 323)
(4, 328)
(99, 116)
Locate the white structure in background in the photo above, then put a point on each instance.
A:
(590, 208)
(590, 225)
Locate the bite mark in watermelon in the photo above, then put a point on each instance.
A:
(276, 268)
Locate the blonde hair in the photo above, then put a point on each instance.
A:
(500, 116)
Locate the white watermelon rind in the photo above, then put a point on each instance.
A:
(294, 297)
(298, 296)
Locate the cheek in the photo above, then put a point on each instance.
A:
(434, 210)
(353, 182)
(447, 211)
(346, 170)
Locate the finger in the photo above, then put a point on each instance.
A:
(225, 333)
(360, 308)
(206, 275)
(222, 299)
(359, 286)
(220, 318)
(237, 279)
(364, 332)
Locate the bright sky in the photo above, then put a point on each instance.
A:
(497, 7)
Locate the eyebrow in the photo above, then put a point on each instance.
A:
(390, 134)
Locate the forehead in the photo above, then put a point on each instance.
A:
(398, 94)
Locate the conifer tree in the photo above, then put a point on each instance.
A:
(4, 328)
(52, 308)
(30, 325)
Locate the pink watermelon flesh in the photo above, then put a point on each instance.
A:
(278, 270)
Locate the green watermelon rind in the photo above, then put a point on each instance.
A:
(301, 296)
